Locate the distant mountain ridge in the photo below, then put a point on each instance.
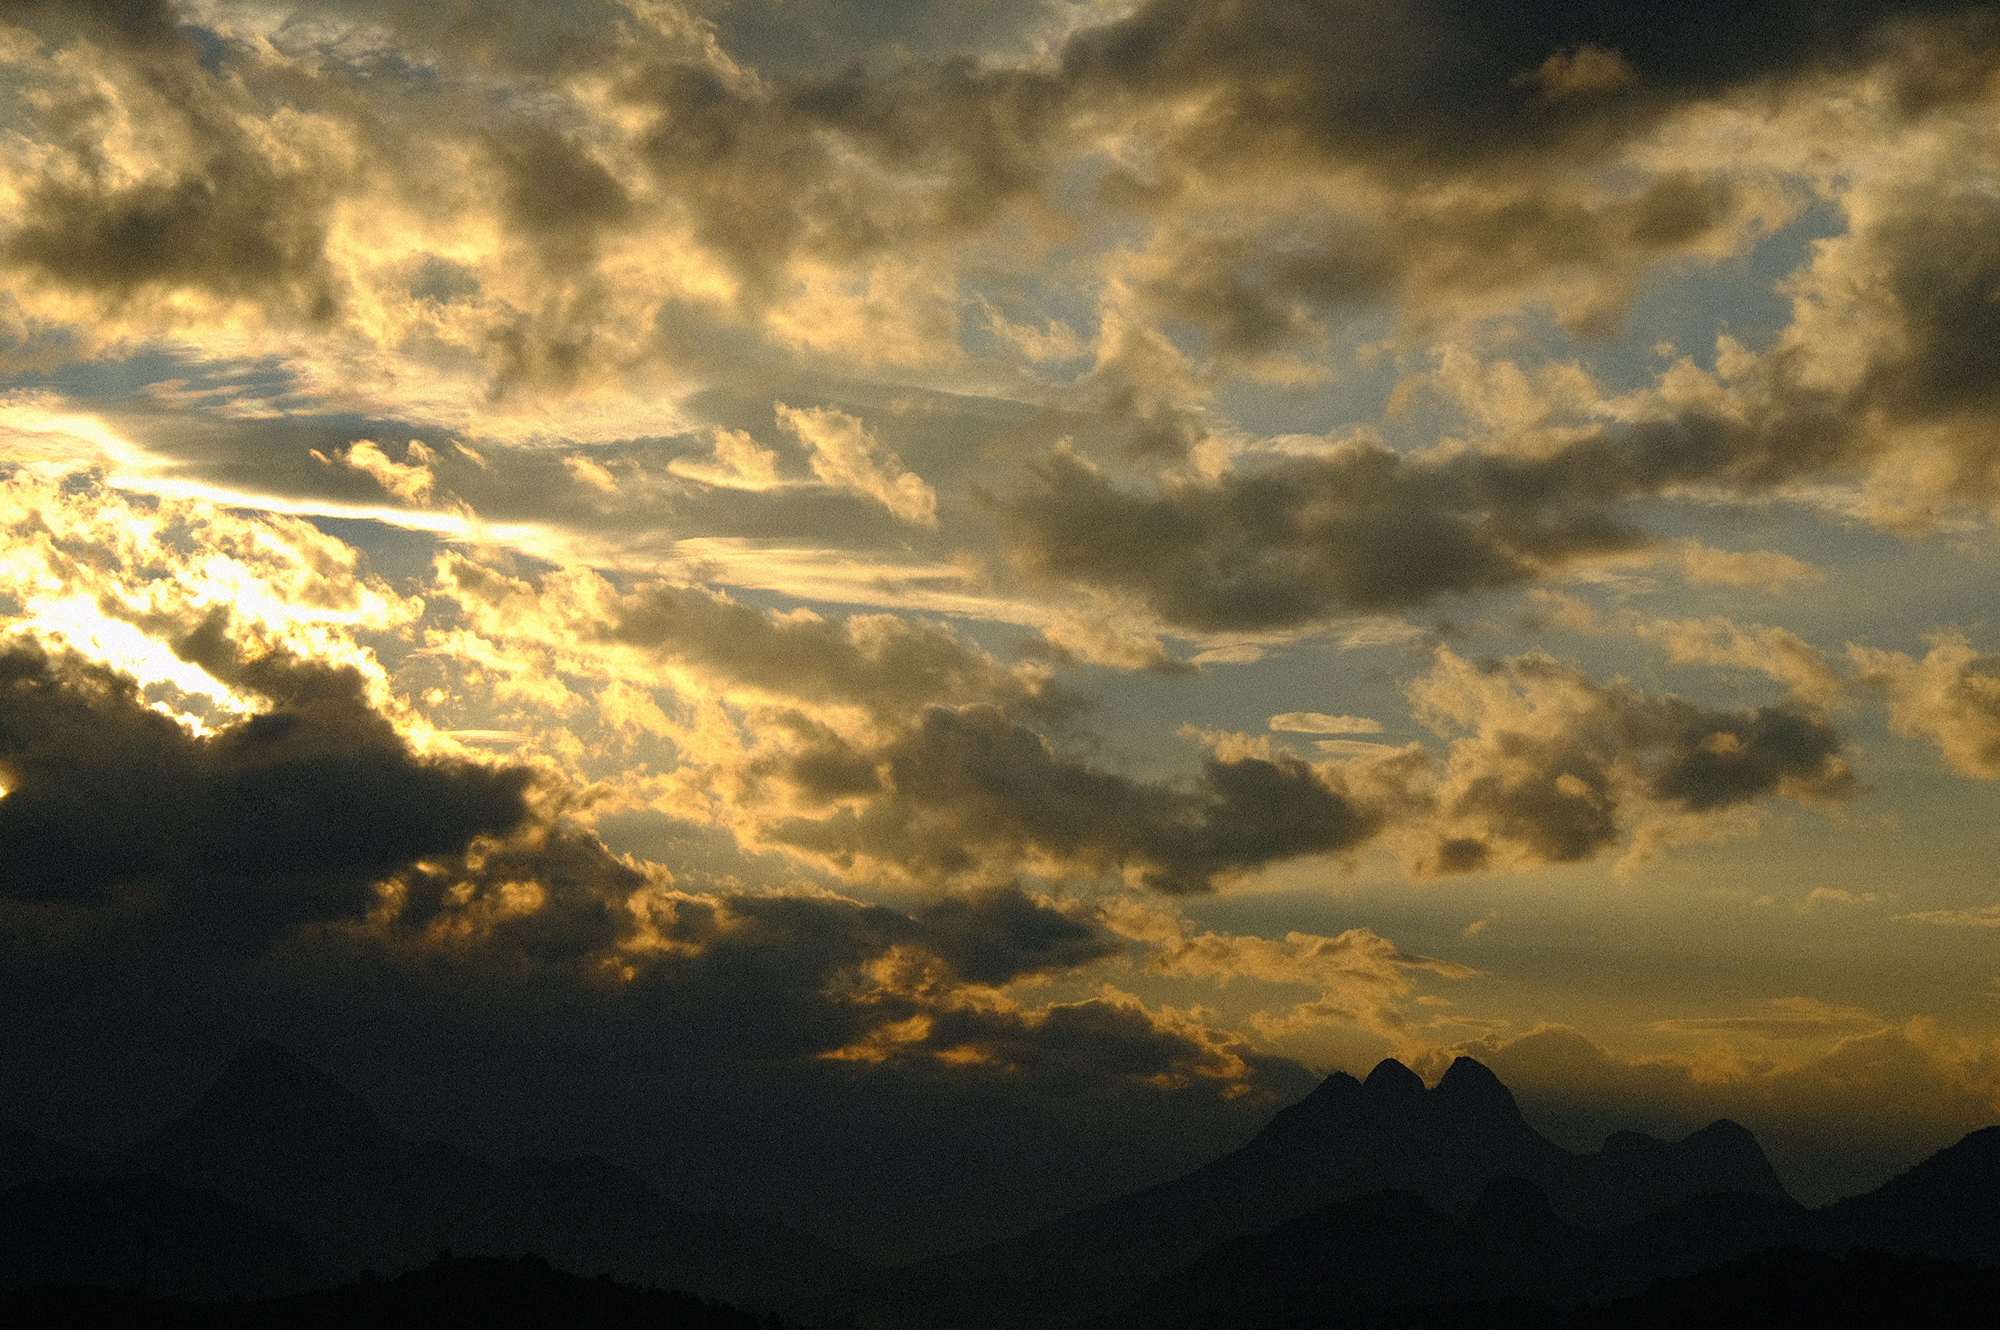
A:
(1386, 1257)
(1345, 1140)
(1367, 1203)
(1389, 1261)
(450, 1293)
(279, 1137)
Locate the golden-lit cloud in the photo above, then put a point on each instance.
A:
(1951, 696)
(1318, 722)
(1896, 1093)
(1548, 766)
(847, 457)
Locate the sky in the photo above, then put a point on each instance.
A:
(909, 615)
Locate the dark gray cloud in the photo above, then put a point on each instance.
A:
(1720, 758)
(557, 194)
(1943, 260)
(1004, 934)
(232, 228)
(1361, 530)
(1558, 768)
(1438, 83)
(1564, 799)
(138, 24)
(283, 817)
(889, 665)
(965, 789)
(230, 219)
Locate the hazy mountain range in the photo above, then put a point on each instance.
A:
(1371, 1197)
(278, 1139)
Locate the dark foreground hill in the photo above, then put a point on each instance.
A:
(278, 1138)
(1917, 1248)
(1346, 1140)
(477, 1293)
(1385, 1253)
(1798, 1290)
(1774, 1290)
(149, 1233)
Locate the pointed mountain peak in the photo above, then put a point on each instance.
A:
(1474, 1085)
(1722, 1134)
(1392, 1077)
(1337, 1083)
(265, 1092)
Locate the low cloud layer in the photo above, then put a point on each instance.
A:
(287, 816)
(1896, 1094)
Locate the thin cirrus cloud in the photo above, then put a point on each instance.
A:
(1318, 722)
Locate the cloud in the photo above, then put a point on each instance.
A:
(1771, 570)
(303, 870)
(160, 186)
(1787, 1018)
(1951, 697)
(847, 456)
(410, 480)
(1582, 71)
(1300, 540)
(285, 816)
(1838, 896)
(1005, 934)
(967, 792)
(1837, 1121)
(1318, 722)
(1801, 667)
(1984, 917)
(739, 463)
(1362, 979)
(643, 207)
(1417, 89)
(694, 639)
(1548, 766)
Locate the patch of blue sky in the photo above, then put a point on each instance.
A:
(1360, 378)
(1682, 308)
(398, 554)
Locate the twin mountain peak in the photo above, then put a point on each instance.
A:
(1446, 1144)
(1460, 1145)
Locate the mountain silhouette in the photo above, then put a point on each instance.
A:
(451, 1293)
(1919, 1250)
(25, 1156)
(1392, 1251)
(1372, 1202)
(1947, 1206)
(282, 1138)
(1805, 1290)
(1347, 1139)
(148, 1234)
